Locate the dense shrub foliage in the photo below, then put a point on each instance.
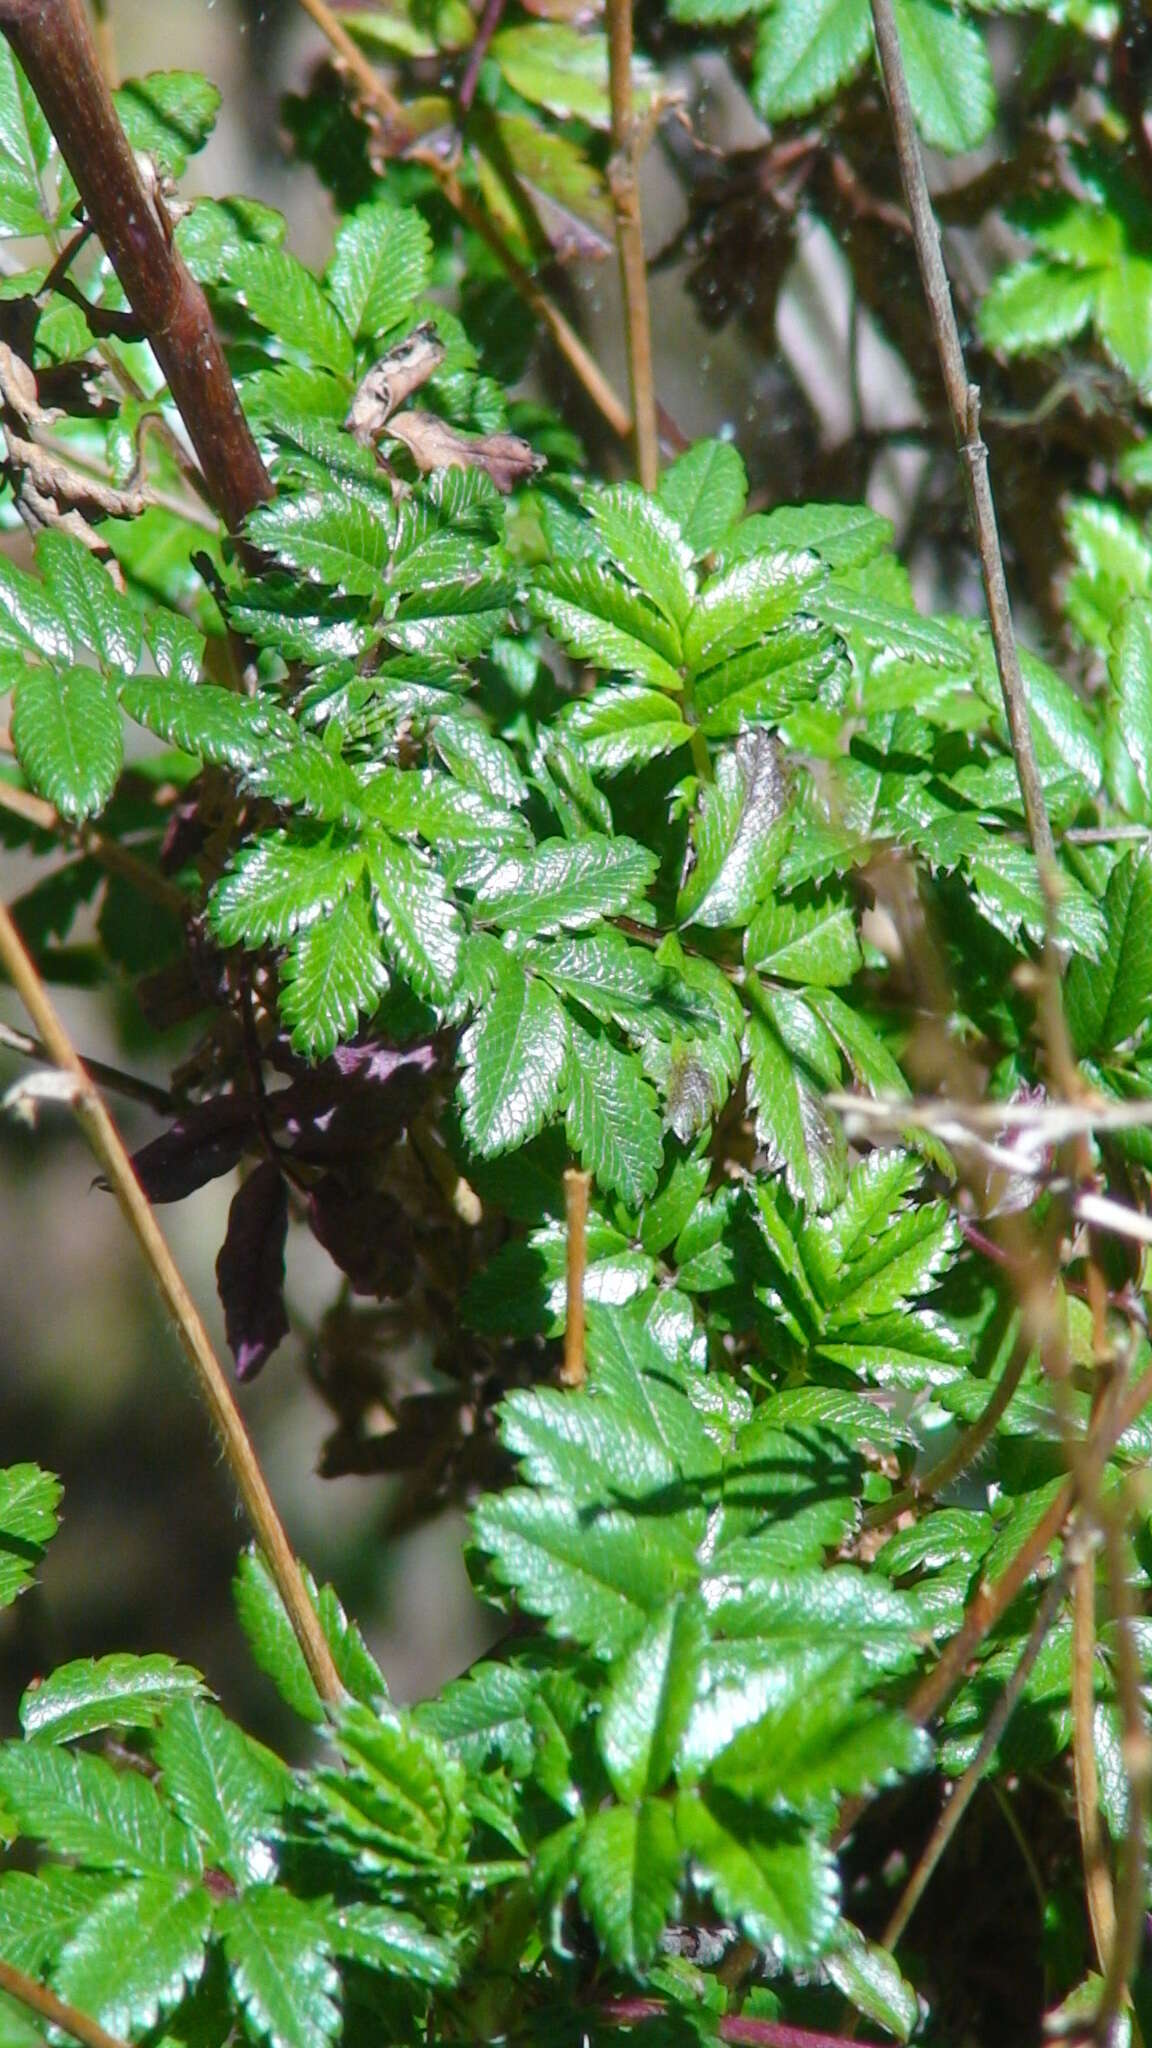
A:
(491, 819)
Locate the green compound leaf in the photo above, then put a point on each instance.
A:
(274, 1646)
(628, 1864)
(29, 1498)
(599, 618)
(739, 835)
(774, 1878)
(590, 1578)
(705, 491)
(168, 114)
(871, 1979)
(381, 263)
(332, 976)
(513, 1060)
(820, 1736)
(67, 735)
(284, 297)
(138, 1951)
(392, 1942)
(227, 1790)
(805, 50)
(330, 537)
(39, 1914)
(105, 1692)
(106, 1819)
(1128, 729)
(815, 944)
(647, 1709)
(1036, 305)
(647, 545)
(99, 616)
(420, 929)
(278, 1953)
(227, 730)
(613, 1122)
(949, 74)
(1111, 998)
(566, 884)
(281, 883)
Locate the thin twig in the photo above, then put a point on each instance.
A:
(117, 859)
(574, 1370)
(372, 91)
(624, 183)
(1097, 1877)
(486, 28)
(129, 1085)
(1130, 1888)
(962, 1796)
(964, 406)
(112, 1155)
(45, 2003)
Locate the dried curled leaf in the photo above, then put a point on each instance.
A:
(433, 444)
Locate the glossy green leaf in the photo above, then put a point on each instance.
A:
(281, 883)
(278, 1953)
(99, 616)
(629, 1866)
(275, 1648)
(512, 1058)
(949, 74)
(284, 296)
(380, 264)
(648, 1704)
(419, 927)
(66, 731)
(704, 491)
(738, 837)
(119, 1691)
(613, 1123)
(332, 538)
(29, 1499)
(773, 1878)
(168, 114)
(805, 50)
(565, 884)
(333, 975)
(106, 1819)
(591, 1579)
(1110, 998)
(139, 1950)
(227, 1790)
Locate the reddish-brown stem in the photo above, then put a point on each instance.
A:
(108, 1146)
(52, 42)
(624, 181)
(485, 30)
(45, 2003)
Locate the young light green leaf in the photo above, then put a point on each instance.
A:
(613, 1123)
(381, 263)
(381, 1938)
(278, 1952)
(704, 491)
(512, 1062)
(815, 943)
(870, 1977)
(628, 1865)
(120, 1691)
(332, 976)
(169, 115)
(66, 732)
(600, 619)
(29, 1498)
(285, 298)
(750, 599)
(648, 546)
(137, 1953)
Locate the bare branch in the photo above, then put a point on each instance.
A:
(964, 407)
(624, 183)
(574, 1370)
(45, 2003)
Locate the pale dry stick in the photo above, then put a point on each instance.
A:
(574, 1370)
(116, 859)
(965, 1788)
(1097, 1876)
(372, 89)
(964, 406)
(624, 184)
(108, 1146)
(1129, 1916)
(56, 2011)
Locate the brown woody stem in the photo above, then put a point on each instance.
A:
(574, 1370)
(52, 42)
(624, 182)
(964, 406)
(109, 1148)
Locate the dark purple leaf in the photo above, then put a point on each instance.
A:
(366, 1233)
(205, 1141)
(250, 1269)
(376, 1062)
